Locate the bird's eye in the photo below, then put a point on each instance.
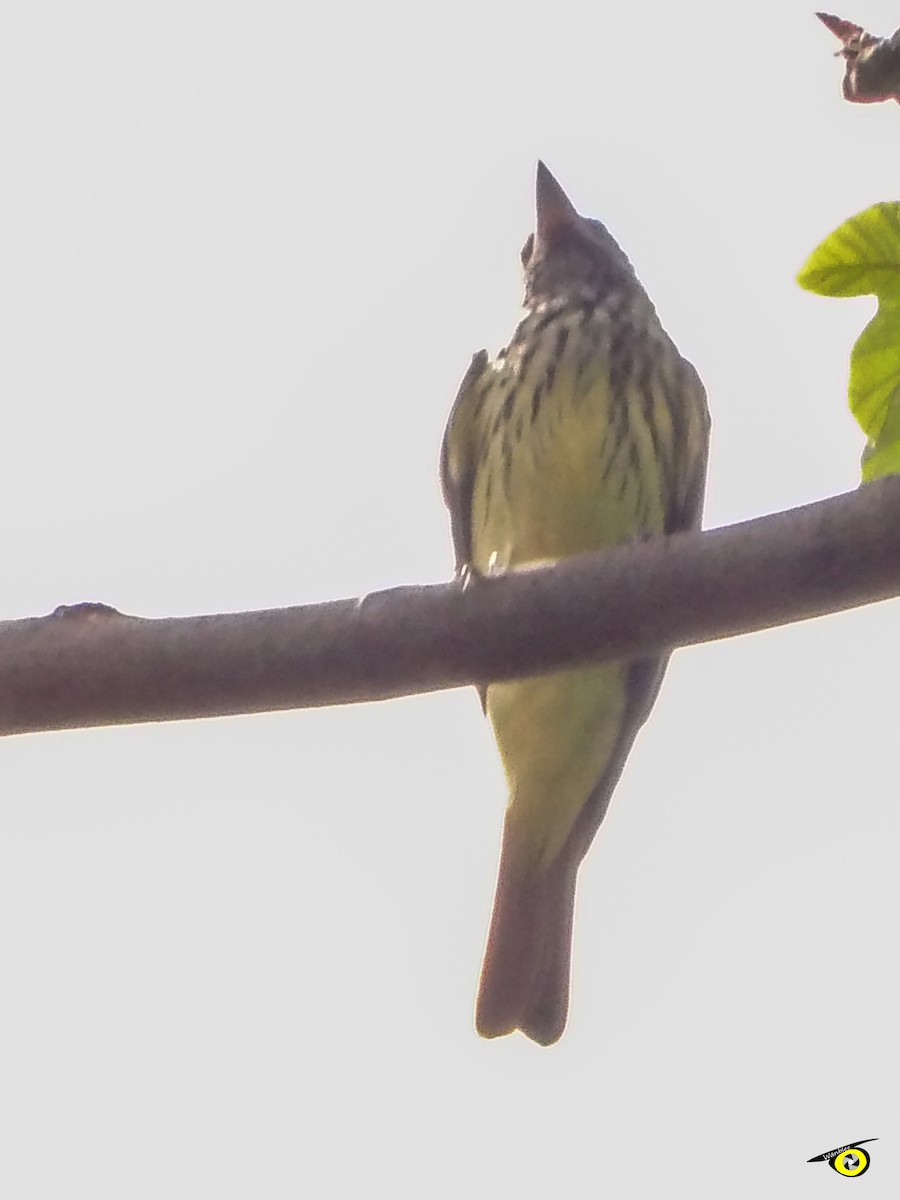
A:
(527, 249)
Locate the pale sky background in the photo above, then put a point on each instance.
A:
(247, 252)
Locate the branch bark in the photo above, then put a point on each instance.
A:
(90, 665)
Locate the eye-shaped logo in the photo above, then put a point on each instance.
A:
(847, 1160)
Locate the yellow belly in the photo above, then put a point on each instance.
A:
(578, 476)
(566, 482)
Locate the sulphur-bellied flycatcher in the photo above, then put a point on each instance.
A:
(587, 430)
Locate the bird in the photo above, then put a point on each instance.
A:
(588, 430)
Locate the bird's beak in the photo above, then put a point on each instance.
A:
(554, 213)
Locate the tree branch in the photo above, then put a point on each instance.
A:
(871, 63)
(90, 665)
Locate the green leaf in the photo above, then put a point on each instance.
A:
(882, 453)
(875, 370)
(862, 257)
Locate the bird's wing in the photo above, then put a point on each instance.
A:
(685, 509)
(458, 459)
(643, 676)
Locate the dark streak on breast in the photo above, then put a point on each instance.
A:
(508, 405)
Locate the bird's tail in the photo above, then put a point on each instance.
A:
(525, 974)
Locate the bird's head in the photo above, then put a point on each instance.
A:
(569, 254)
